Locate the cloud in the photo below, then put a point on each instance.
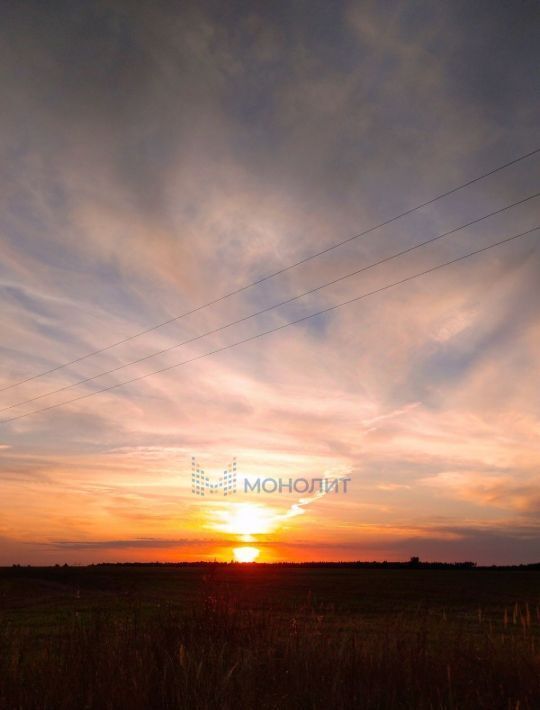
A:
(502, 491)
(201, 150)
(143, 543)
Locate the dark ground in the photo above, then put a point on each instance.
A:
(246, 636)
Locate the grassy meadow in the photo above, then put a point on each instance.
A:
(262, 636)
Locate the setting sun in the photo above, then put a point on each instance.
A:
(246, 554)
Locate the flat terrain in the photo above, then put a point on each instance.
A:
(247, 636)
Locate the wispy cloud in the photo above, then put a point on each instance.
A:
(197, 153)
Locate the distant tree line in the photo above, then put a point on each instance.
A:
(412, 563)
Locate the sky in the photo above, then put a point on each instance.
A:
(156, 156)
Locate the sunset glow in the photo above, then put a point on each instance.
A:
(246, 554)
(245, 519)
(269, 355)
(240, 234)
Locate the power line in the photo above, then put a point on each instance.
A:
(272, 307)
(276, 329)
(275, 273)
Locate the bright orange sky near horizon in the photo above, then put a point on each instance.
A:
(156, 157)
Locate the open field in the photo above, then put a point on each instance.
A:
(246, 636)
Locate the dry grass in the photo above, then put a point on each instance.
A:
(220, 653)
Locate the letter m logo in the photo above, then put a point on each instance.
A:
(201, 484)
